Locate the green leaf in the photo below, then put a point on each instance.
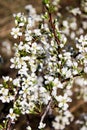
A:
(1, 127)
(45, 15)
(51, 9)
(46, 1)
(58, 35)
(49, 86)
(17, 111)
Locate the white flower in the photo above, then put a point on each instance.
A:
(69, 63)
(11, 97)
(21, 24)
(45, 98)
(37, 32)
(75, 11)
(48, 79)
(85, 69)
(17, 62)
(58, 84)
(4, 91)
(63, 101)
(65, 23)
(30, 22)
(24, 92)
(73, 25)
(12, 115)
(28, 128)
(62, 120)
(23, 71)
(83, 128)
(79, 81)
(67, 73)
(6, 78)
(84, 24)
(31, 9)
(41, 125)
(67, 55)
(28, 36)
(16, 32)
(5, 99)
(16, 82)
(72, 36)
(64, 70)
(18, 15)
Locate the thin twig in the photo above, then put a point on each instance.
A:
(53, 28)
(74, 76)
(46, 111)
(9, 125)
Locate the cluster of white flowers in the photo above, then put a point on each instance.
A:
(45, 70)
(5, 94)
(55, 3)
(69, 24)
(82, 121)
(32, 15)
(82, 46)
(82, 92)
(62, 120)
(84, 5)
(75, 11)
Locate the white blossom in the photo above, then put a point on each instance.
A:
(16, 32)
(28, 128)
(63, 101)
(62, 120)
(41, 125)
(12, 115)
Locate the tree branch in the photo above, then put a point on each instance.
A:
(53, 28)
(46, 111)
(9, 125)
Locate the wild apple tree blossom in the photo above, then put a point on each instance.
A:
(46, 68)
